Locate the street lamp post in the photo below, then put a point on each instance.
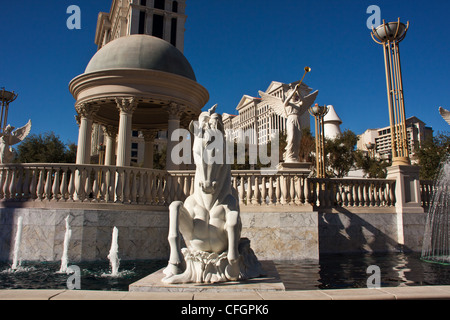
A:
(6, 97)
(319, 112)
(389, 35)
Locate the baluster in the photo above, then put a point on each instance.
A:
(96, 185)
(180, 189)
(361, 193)
(271, 192)
(12, 185)
(371, 195)
(148, 187)
(187, 187)
(2, 178)
(164, 186)
(241, 190)
(133, 191)
(299, 190)
(162, 182)
(56, 186)
(338, 195)
(71, 186)
(378, 201)
(19, 184)
(292, 190)
(307, 191)
(249, 190)
(141, 191)
(87, 185)
(355, 193)
(126, 185)
(256, 191)
(284, 190)
(26, 185)
(392, 193)
(64, 185)
(118, 197)
(40, 186)
(103, 185)
(263, 190)
(278, 190)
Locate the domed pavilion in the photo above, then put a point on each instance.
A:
(140, 83)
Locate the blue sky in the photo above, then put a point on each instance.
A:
(238, 47)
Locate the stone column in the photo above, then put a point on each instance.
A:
(85, 115)
(175, 112)
(149, 138)
(409, 210)
(126, 107)
(110, 133)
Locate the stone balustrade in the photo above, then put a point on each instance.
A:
(139, 186)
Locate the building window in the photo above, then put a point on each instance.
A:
(173, 32)
(135, 133)
(175, 6)
(142, 17)
(160, 4)
(158, 26)
(144, 3)
(134, 146)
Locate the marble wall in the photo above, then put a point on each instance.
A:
(142, 235)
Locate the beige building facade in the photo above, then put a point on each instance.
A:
(417, 132)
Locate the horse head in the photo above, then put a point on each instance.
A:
(209, 151)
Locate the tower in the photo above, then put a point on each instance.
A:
(332, 124)
(389, 35)
(164, 19)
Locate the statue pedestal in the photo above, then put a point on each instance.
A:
(270, 282)
(295, 166)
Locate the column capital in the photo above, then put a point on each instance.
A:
(127, 105)
(150, 135)
(110, 131)
(86, 110)
(175, 110)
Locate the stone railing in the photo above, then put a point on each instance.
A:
(426, 192)
(71, 183)
(352, 193)
(82, 183)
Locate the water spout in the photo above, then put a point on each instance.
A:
(65, 256)
(436, 243)
(114, 254)
(16, 258)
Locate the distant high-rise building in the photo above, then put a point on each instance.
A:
(164, 19)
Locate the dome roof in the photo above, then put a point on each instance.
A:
(332, 116)
(141, 52)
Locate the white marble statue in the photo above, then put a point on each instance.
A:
(298, 101)
(9, 138)
(445, 114)
(209, 220)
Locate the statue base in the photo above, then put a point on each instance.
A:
(295, 166)
(271, 282)
(207, 267)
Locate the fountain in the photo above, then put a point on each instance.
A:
(436, 244)
(16, 259)
(114, 254)
(65, 256)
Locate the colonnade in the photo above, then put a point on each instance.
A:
(126, 107)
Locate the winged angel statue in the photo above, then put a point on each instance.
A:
(445, 114)
(298, 101)
(9, 138)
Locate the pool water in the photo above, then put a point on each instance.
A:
(331, 272)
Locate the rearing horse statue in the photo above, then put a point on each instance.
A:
(209, 220)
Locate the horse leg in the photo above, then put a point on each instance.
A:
(233, 228)
(177, 215)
